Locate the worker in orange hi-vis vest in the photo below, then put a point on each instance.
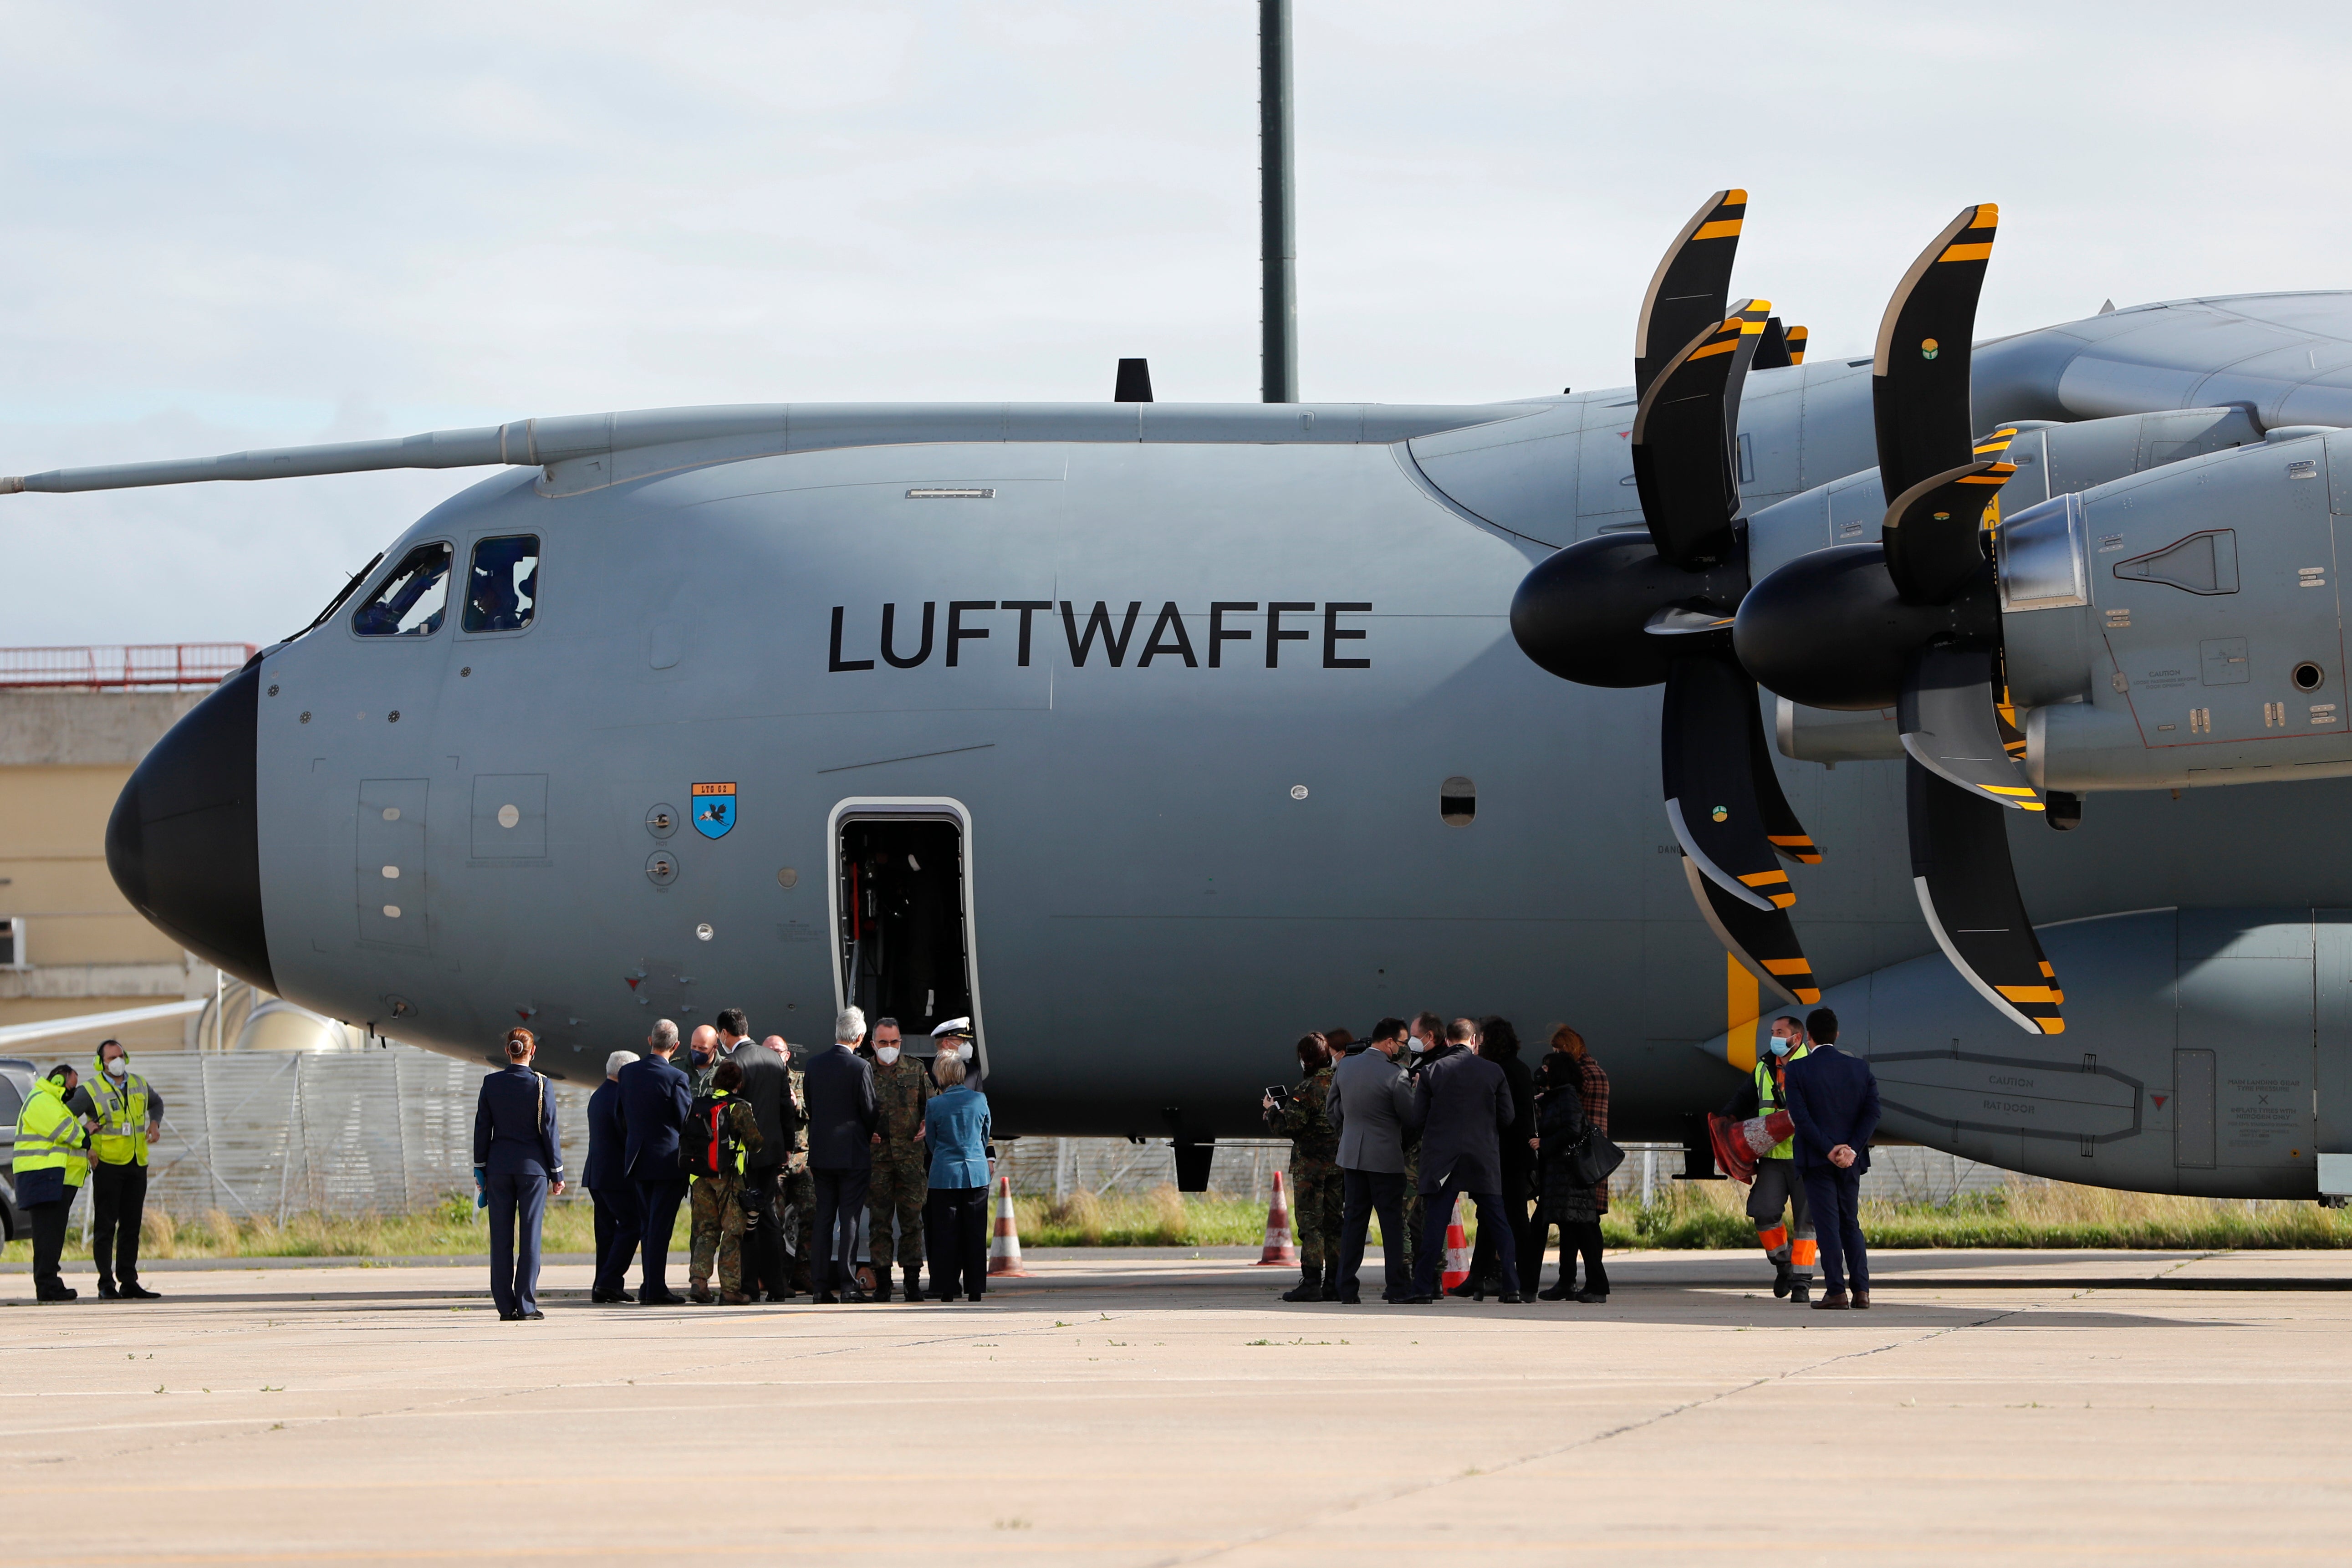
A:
(1789, 1247)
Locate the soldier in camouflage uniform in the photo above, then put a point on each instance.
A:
(1315, 1188)
(701, 1059)
(901, 1178)
(718, 1209)
(1428, 1034)
(798, 1204)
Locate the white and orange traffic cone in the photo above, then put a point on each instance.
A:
(1278, 1249)
(1457, 1248)
(1005, 1250)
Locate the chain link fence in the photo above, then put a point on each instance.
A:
(390, 1131)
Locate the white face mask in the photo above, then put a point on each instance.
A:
(119, 1065)
(1416, 1046)
(964, 1050)
(886, 1054)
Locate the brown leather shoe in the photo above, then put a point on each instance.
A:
(1834, 1302)
(1862, 1300)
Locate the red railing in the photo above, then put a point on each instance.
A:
(155, 666)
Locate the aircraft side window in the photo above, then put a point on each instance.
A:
(413, 600)
(503, 587)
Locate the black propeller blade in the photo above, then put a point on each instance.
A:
(1763, 941)
(1688, 291)
(1933, 532)
(1919, 374)
(1713, 793)
(1960, 869)
(1683, 434)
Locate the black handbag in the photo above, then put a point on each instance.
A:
(1593, 1159)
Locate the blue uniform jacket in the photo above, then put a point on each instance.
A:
(514, 1126)
(1834, 1099)
(955, 1125)
(608, 1141)
(655, 1098)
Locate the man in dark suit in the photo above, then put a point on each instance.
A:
(655, 1100)
(839, 1087)
(1369, 1104)
(1833, 1101)
(766, 1088)
(1462, 1103)
(519, 1158)
(620, 1222)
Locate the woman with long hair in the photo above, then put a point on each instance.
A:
(1572, 1095)
(1498, 1042)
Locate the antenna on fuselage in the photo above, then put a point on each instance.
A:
(1277, 230)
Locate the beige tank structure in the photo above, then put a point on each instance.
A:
(73, 724)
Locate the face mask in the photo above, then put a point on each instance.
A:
(1778, 1046)
(964, 1050)
(886, 1054)
(119, 1065)
(1416, 1046)
(702, 1058)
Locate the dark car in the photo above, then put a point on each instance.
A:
(16, 1084)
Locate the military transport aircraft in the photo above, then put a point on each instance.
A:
(1150, 734)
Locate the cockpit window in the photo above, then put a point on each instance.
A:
(504, 585)
(411, 600)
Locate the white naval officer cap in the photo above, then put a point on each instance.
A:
(951, 1029)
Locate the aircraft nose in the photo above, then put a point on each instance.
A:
(184, 843)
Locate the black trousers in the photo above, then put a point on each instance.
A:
(840, 1200)
(764, 1265)
(955, 1232)
(1837, 1220)
(1581, 1235)
(657, 1207)
(118, 1203)
(1437, 1213)
(49, 1242)
(1364, 1193)
(620, 1229)
(517, 1210)
(1526, 1231)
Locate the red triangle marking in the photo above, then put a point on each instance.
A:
(633, 985)
(2159, 1100)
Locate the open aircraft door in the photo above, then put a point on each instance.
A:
(2332, 1094)
(902, 913)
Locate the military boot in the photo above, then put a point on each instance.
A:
(1311, 1285)
(1783, 1277)
(914, 1285)
(881, 1285)
(1331, 1281)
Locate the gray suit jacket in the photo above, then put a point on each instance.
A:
(1371, 1108)
(1464, 1103)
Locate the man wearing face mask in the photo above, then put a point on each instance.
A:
(702, 1058)
(1790, 1248)
(129, 1113)
(902, 1180)
(1424, 1039)
(955, 1036)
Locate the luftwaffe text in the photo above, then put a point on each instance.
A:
(1101, 633)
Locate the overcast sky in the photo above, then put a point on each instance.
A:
(250, 224)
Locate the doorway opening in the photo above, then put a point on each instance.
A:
(903, 911)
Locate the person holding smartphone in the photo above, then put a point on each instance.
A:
(1316, 1192)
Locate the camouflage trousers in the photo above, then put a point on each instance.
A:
(1315, 1213)
(798, 1209)
(898, 1188)
(718, 1219)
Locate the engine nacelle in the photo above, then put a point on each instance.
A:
(2182, 627)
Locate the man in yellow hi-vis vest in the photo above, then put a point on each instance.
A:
(1791, 1247)
(128, 1114)
(46, 1171)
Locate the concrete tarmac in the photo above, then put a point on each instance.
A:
(1131, 1407)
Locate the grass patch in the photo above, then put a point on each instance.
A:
(1687, 1216)
(1711, 1215)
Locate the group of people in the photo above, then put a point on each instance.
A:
(73, 1131)
(1402, 1124)
(859, 1139)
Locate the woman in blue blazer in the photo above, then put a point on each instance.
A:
(955, 1216)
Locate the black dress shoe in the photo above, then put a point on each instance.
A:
(510, 1317)
(1563, 1291)
(1591, 1297)
(943, 1295)
(135, 1292)
(62, 1293)
(1351, 1300)
(107, 1292)
(1509, 1298)
(1466, 1290)
(859, 1295)
(827, 1299)
(1414, 1300)
(666, 1299)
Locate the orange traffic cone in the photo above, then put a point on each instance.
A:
(1005, 1250)
(1278, 1248)
(1457, 1248)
